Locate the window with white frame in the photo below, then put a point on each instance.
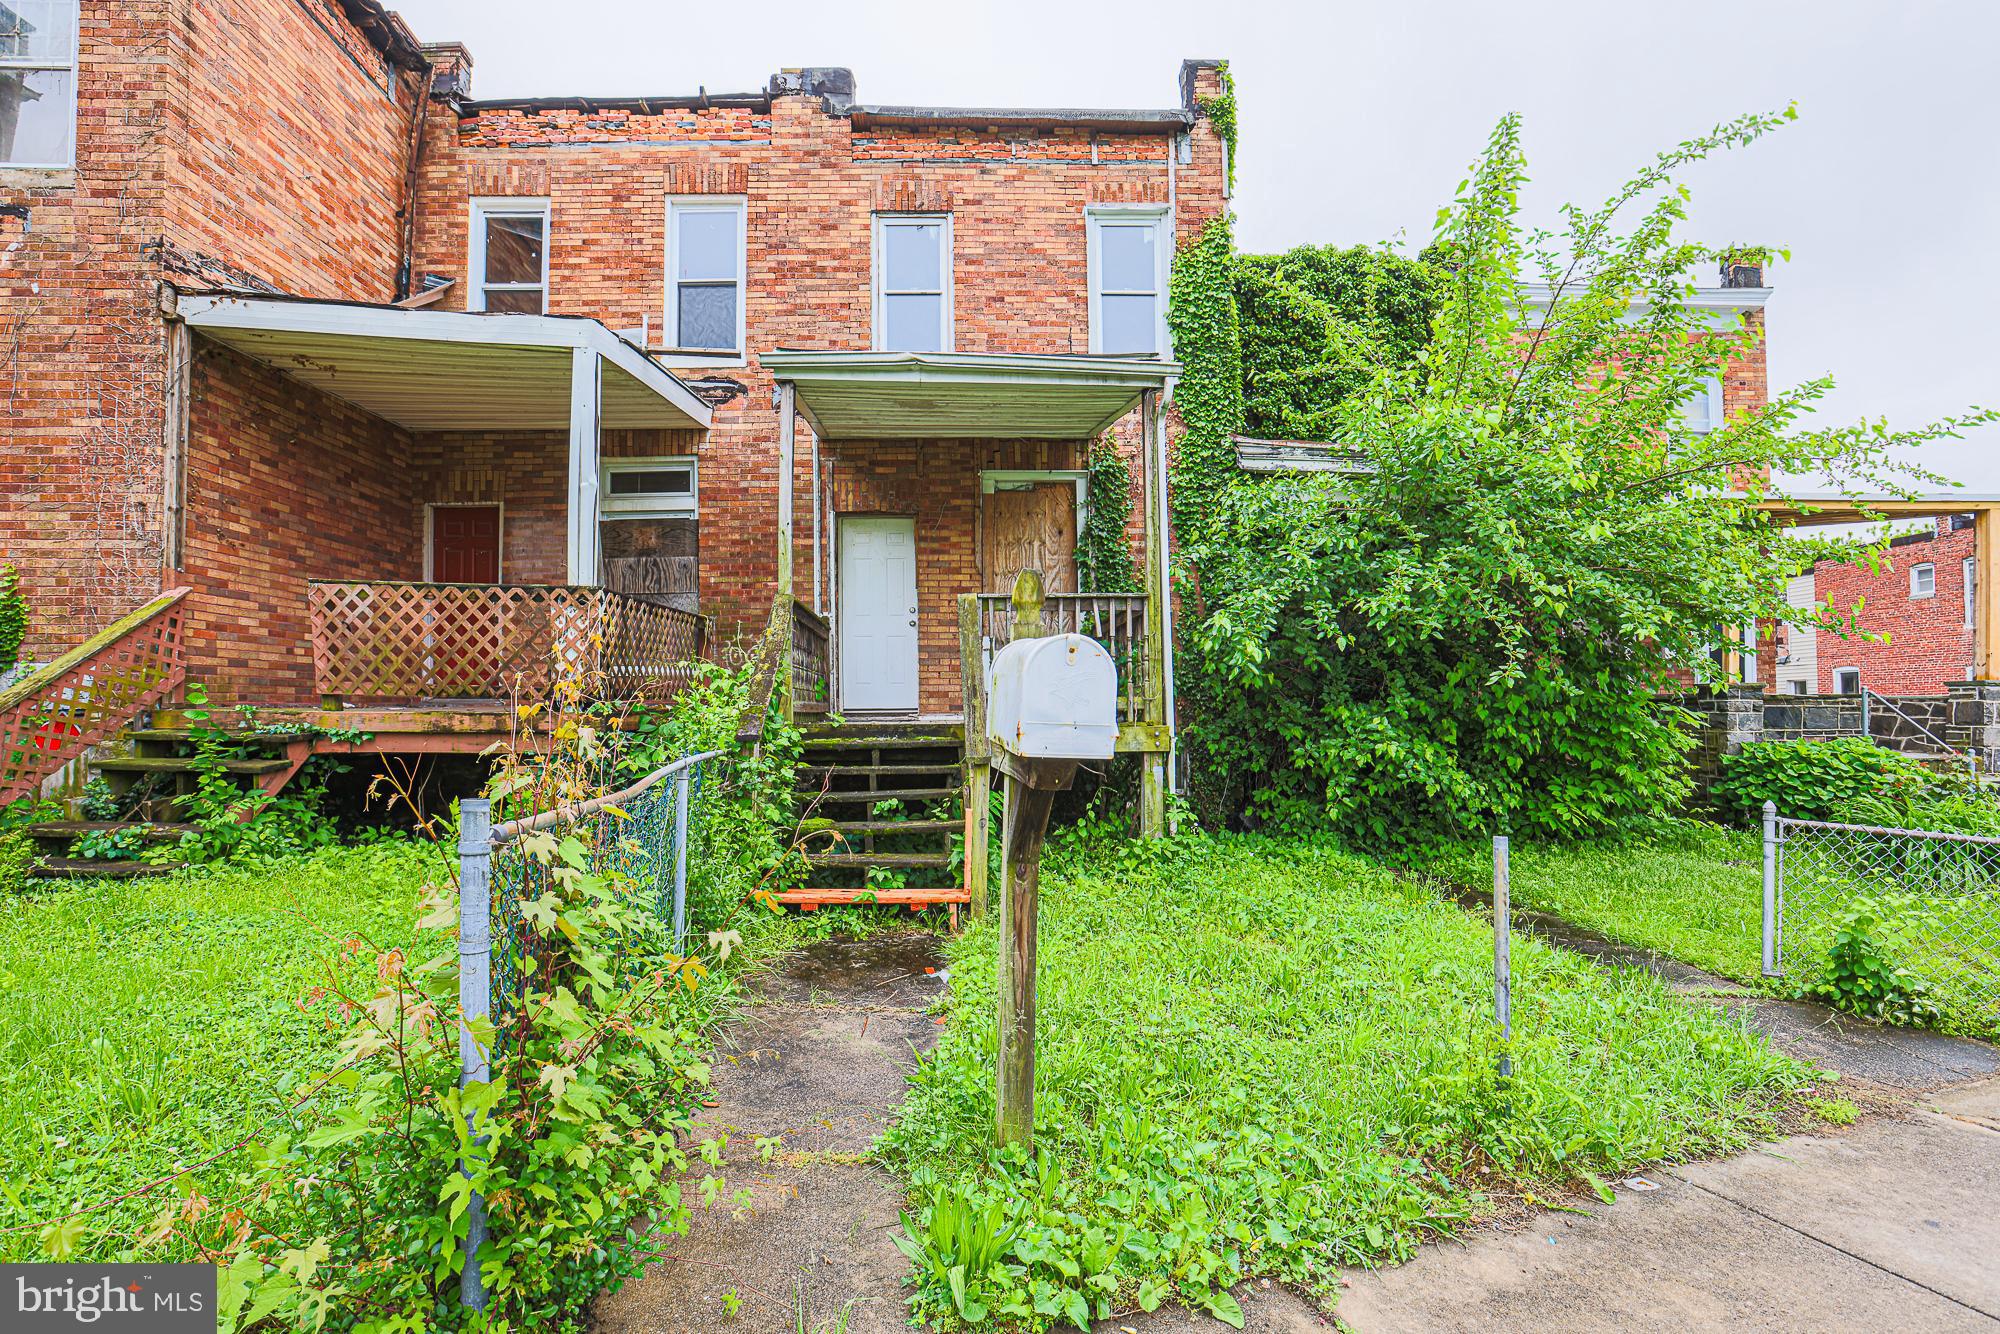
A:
(647, 487)
(913, 282)
(1129, 254)
(38, 83)
(1702, 411)
(1923, 580)
(1969, 570)
(705, 274)
(1847, 680)
(510, 256)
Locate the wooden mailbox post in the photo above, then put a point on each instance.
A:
(1054, 705)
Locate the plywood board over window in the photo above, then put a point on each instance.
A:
(1030, 526)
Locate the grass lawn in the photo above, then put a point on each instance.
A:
(148, 1024)
(1694, 892)
(1268, 1058)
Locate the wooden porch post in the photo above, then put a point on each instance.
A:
(1152, 765)
(585, 415)
(978, 756)
(787, 451)
(1986, 602)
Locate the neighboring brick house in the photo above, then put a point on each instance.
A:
(1922, 601)
(286, 305)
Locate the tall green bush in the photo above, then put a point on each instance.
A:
(1467, 632)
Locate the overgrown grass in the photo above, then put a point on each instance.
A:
(1271, 1058)
(1691, 891)
(149, 1024)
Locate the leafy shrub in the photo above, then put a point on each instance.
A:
(1812, 780)
(1862, 977)
(17, 858)
(124, 843)
(13, 617)
(1947, 803)
(99, 802)
(235, 823)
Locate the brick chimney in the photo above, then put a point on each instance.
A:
(1742, 273)
(453, 64)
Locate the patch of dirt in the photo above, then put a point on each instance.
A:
(819, 1058)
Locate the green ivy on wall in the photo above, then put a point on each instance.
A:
(1221, 113)
(1103, 554)
(1201, 312)
(13, 617)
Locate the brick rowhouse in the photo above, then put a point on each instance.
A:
(1926, 622)
(281, 147)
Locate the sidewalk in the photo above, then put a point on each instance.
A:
(1892, 1225)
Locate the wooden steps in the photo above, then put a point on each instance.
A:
(859, 766)
(155, 831)
(89, 868)
(181, 764)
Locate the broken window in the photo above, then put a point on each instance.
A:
(705, 294)
(913, 283)
(38, 83)
(510, 256)
(649, 533)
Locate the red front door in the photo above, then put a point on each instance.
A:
(465, 544)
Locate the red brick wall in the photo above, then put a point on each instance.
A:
(812, 182)
(292, 148)
(252, 131)
(285, 484)
(1929, 642)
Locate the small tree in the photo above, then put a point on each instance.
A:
(1470, 630)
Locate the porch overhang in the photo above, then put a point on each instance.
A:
(430, 370)
(963, 395)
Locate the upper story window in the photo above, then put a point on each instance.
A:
(1129, 254)
(1923, 580)
(913, 282)
(1703, 409)
(38, 83)
(510, 256)
(705, 263)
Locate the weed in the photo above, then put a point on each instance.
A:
(1860, 974)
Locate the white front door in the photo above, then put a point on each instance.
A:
(878, 613)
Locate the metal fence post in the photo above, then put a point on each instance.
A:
(1503, 981)
(475, 977)
(1770, 889)
(681, 856)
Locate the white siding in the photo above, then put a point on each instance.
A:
(1801, 662)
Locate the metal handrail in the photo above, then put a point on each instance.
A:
(528, 824)
(1867, 727)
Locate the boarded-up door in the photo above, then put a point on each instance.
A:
(1031, 527)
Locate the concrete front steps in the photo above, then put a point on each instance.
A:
(848, 772)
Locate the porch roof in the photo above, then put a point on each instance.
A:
(1809, 510)
(431, 370)
(964, 395)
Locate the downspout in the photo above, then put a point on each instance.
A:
(406, 247)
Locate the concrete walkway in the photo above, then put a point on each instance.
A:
(1891, 1225)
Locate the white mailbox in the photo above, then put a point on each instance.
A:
(1054, 699)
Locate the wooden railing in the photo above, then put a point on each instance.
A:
(812, 661)
(1115, 620)
(88, 694)
(772, 648)
(394, 640)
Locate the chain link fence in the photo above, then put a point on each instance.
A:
(1929, 901)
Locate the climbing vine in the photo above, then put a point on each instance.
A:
(1221, 113)
(1201, 312)
(1103, 552)
(13, 617)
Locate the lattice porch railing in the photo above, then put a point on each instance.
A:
(383, 640)
(84, 697)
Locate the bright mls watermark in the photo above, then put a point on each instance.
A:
(155, 1299)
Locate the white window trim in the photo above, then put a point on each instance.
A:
(879, 265)
(1711, 395)
(1923, 567)
(430, 534)
(1095, 215)
(73, 68)
(1839, 672)
(670, 328)
(501, 206)
(654, 505)
(1968, 570)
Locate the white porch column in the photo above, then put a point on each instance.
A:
(787, 433)
(585, 401)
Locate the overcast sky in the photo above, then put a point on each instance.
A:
(1358, 120)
